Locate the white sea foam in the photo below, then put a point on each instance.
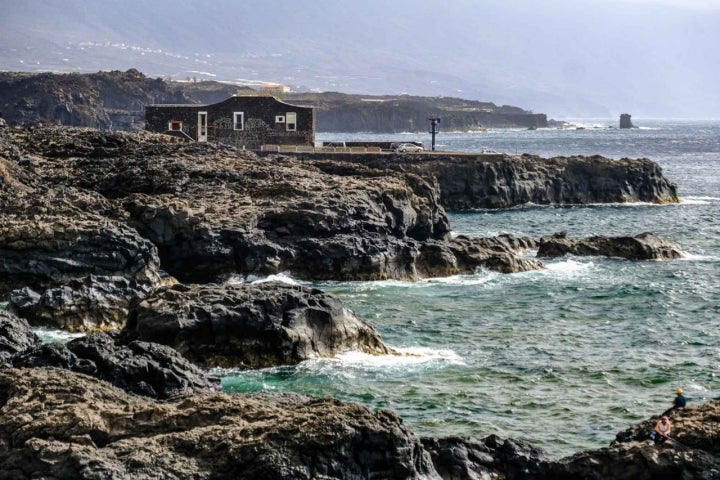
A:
(483, 276)
(351, 364)
(698, 200)
(283, 277)
(48, 335)
(699, 258)
(404, 357)
(567, 267)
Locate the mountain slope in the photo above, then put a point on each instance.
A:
(557, 56)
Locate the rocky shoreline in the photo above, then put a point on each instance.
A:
(134, 236)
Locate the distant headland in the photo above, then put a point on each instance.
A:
(116, 100)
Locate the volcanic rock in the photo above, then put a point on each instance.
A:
(143, 368)
(213, 210)
(92, 303)
(15, 336)
(57, 424)
(645, 246)
(503, 181)
(256, 326)
(479, 181)
(458, 458)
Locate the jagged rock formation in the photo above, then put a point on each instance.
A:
(212, 210)
(143, 368)
(478, 181)
(59, 424)
(48, 431)
(503, 181)
(645, 246)
(254, 326)
(16, 336)
(459, 458)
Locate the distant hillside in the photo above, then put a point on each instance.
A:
(116, 100)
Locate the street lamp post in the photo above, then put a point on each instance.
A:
(433, 124)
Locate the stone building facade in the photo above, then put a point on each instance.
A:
(244, 121)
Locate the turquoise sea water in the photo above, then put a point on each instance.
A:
(564, 357)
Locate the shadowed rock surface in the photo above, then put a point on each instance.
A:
(645, 246)
(479, 181)
(48, 431)
(87, 304)
(59, 424)
(212, 210)
(143, 368)
(250, 325)
(16, 336)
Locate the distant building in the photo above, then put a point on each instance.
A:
(274, 88)
(244, 121)
(625, 121)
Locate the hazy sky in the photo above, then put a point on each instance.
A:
(560, 57)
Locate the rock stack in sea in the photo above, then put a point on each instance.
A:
(133, 238)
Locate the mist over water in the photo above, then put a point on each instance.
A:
(564, 357)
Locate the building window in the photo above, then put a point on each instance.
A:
(238, 121)
(175, 125)
(291, 121)
(279, 118)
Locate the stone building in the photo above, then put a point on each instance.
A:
(244, 121)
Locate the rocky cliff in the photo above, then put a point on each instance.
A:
(116, 101)
(476, 181)
(90, 217)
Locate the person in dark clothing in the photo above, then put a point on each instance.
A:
(680, 401)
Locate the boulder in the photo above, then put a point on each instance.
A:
(92, 303)
(42, 250)
(645, 246)
(459, 458)
(15, 336)
(58, 424)
(255, 326)
(142, 368)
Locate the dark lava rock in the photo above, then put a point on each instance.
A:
(458, 458)
(257, 326)
(15, 336)
(57, 424)
(143, 368)
(92, 303)
(212, 210)
(645, 246)
(501, 181)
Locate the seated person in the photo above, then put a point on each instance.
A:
(662, 429)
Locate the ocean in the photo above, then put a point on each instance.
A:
(565, 357)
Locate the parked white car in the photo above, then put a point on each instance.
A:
(408, 147)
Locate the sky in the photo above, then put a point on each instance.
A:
(566, 58)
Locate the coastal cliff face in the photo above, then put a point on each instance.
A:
(212, 211)
(477, 181)
(116, 101)
(89, 218)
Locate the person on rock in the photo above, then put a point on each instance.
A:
(680, 400)
(662, 430)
